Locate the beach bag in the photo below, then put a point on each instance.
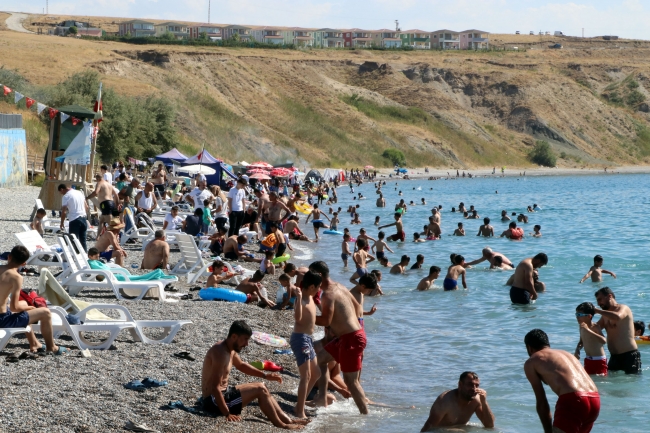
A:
(32, 298)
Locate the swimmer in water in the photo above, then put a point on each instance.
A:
(474, 215)
(497, 263)
(522, 290)
(522, 218)
(537, 233)
(513, 232)
(595, 272)
(400, 268)
(530, 209)
(399, 226)
(457, 269)
(427, 282)
(424, 201)
(379, 246)
(385, 263)
(377, 220)
(504, 216)
(416, 238)
(460, 231)
(592, 340)
(639, 328)
(419, 261)
(377, 291)
(486, 230)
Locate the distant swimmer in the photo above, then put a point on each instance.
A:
(486, 230)
(417, 238)
(433, 229)
(504, 215)
(522, 218)
(536, 208)
(530, 209)
(515, 233)
(427, 282)
(461, 207)
(592, 340)
(595, 272)
(578, 405)
(537, 231)
(456, 406)
(617, 320)
(489, 255)
(474, 215)
(523, 290)
(419, 261)
(456, 270)
(460, 231)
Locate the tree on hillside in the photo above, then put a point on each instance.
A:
(543, 155)
(395, 156)
(73, 30)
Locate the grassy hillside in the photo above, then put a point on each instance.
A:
(343, 108)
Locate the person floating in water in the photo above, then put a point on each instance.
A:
(456, 406)
(592, 340)
(595, 272)
(457, 269)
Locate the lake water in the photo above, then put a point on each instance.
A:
(420, 342)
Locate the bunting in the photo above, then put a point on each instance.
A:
(29, 102)
(53, 113)
(6, 90)
(64, 117)
(40, 107)
(75, 121)
(17, 97)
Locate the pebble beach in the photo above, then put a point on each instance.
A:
(72, 393)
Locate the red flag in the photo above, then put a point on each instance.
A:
(53, 113)
(6, 90)
(201, 156)
(29, 102)
(75, 121)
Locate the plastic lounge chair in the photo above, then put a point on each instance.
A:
(79, 278)
(170, 237)
(39, 249)
(50, 289)
(191, 263)
(135, 232)
(7, 333)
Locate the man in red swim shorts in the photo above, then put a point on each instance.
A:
(339, 313)
(399, 226)
(578, 405)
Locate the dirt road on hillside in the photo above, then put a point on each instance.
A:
(15, 22)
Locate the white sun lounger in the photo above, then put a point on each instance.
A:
(7, 333)
(135, 232)
(77, 279)
(51, 290)
(39, 249)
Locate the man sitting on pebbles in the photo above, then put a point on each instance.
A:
(221, 399)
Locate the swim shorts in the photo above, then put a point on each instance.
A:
(596, 365)
(248, 298)
(231, 255)
(450, 284)
(14, 320)
(398, 236)
(318, 224)
(345, 256)
(281, 249)
(160, 189)
(362, 271)
(519, 296)
(630, 362)
(302, 347)
(233, 401)
(380, 255)
(347, 350)
(107, 207)
(106, 255)
(576, 412)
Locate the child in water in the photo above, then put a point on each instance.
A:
(455, 270)
(419, 261)
(345, 249)
(460, 231)
(426, 282)
(379, 246)
(537, 231)
(595, 272)
(592, 340)
(416, 238)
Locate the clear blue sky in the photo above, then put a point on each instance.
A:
(626, 18)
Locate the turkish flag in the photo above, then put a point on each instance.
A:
(6, 90)
(53, 113)
(29, 102)
(75, 121)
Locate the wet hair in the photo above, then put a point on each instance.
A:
(41, 211)
(159, 234)
(419, 257)
(361, 243)
(458, 259)
(467, 374)
(416, 235)
(542, 258)
(19, 254)
(460, 225)
(289, 267)
(242, 239)
(605, 291)
(93, 251)
(198, 212)
(311, 278)
(405, 258)
(639, 325)
(537, 227)
(498, 260)
(319, 267)
(512, 225)
(453, 209)
(381, 235)
(433, 270)
(239, 327)
(368, 281)
(537, 339)
(586, 308)
(452, 257)
(376, 272)
(598, 258)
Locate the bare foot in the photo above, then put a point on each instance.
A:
(293, 427)
(301, 421)
(34, 349)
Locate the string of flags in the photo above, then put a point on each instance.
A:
(29, 102)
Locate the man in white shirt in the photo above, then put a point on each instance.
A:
(236, 204)
(74, 205)
(108, 177)
(172, 220)
(198, 195)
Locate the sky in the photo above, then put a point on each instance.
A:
(625, 18)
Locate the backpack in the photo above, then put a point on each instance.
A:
(32, 298)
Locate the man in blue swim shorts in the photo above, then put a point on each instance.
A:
(457, 269)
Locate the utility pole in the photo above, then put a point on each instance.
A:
(47, 7)
(397, 25)
(583, 33)
(209, 11)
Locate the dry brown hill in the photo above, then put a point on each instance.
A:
(460, 109)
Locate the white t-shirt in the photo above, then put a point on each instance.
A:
(224, 208)
(108, 177)
(198, 196)
(173, 223)
(237, 196)
(76, 203)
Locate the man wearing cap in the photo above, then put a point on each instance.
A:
(236, 204)
(111, 238)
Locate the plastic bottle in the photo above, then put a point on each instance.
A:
(279, 296)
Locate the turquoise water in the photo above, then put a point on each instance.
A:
(420, 342)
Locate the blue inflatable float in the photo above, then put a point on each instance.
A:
(219, 294)
(332, 232)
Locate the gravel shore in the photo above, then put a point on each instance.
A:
(75, 394)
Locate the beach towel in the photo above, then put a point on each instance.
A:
(156, 274)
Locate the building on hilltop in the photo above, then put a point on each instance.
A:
(301, 37)
(271, 35)
(212, 31)
(357, 38)
(474, 40)
(445, 39)
(243, 32)
(386, 38)
(137, 28)
(180, 31)
(418, 39)
(328, 38)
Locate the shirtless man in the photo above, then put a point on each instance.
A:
(293, 229)
(158, 178)
(381, 201)
(109, 238)
(145, 201)
(400, 268)
(233, 249)
(433, 229)
(19, 314)
(222, 400)
(578, 405)
(252, 286)
(456, 406)
(156, 253)
(504, 215)
(338, 312)
(523, 290)
(107, 197)
(435, 214)
(426, 282)
(486, 230)
(262, 206)
(274, 210)
(617, 320)
(399, 227)
(489, 255)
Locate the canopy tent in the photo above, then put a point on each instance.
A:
(314, 175)
(202, 157)
(171, 157)
(331, 173)
(197, 168)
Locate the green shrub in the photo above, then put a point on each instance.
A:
(73, 30)
(39, 180)
(543, 155)
(635, 98)
(395, 156)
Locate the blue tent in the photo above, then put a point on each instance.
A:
(221, 169)
(401, 170)
(168, 158)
